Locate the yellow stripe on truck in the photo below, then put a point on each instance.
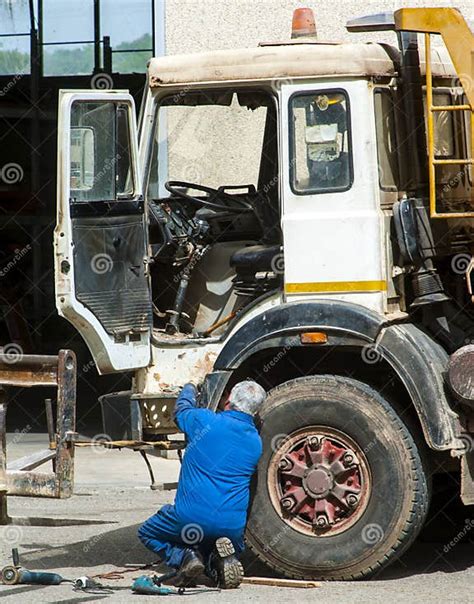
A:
(340, 287)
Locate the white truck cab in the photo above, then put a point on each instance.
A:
(269, 219)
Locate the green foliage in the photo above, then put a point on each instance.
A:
(78, 61)
(14, 62)
(129, 62)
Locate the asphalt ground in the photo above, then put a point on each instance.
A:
(94, 532)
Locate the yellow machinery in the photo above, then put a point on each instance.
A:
(459, 41)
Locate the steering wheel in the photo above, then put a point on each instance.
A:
(232, 204)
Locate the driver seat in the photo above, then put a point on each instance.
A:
(258, 269)
(255, 257)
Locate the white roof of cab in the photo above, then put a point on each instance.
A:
(284, 61)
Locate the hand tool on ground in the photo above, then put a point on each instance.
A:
(151, 586)
(15, 574)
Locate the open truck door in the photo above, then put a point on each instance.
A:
(101, 260)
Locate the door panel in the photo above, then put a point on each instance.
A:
(120, 302)
(101, 263)
(332, 224)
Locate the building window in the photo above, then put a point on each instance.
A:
(320, 145)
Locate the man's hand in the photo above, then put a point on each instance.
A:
(193, 383)
(187, 412)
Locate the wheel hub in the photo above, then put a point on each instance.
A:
(318, 482)
(322, 483)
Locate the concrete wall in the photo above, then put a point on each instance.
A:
(197, 25)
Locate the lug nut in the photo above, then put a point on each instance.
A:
(348, 458)
(285, 464)
(314, 442)
(287, 503)
(322, 522)
(352, 500)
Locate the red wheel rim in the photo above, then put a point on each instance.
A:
(319, 480)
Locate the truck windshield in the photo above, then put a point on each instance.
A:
(214, 139)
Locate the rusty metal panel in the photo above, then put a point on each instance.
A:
(29, 370)
(31, 484)
(36, 370)
(66, 423)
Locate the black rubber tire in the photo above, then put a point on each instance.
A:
(398, 502)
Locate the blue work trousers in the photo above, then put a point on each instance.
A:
(169, 536)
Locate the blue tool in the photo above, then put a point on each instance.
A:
(151, 586)
(15, 574)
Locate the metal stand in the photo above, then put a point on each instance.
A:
(18, 478)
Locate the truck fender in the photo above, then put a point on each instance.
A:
(421, 365)
(419, 362)
(347, 319)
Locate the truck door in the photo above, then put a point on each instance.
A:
(101, 275)
(332, 222)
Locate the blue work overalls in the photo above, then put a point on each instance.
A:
(213, 490)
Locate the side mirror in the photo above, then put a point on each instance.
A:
(406, 228)
(82, 159)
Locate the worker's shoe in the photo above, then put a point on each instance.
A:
(223, 566)
(191, 567)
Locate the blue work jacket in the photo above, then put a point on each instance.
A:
(221, 456)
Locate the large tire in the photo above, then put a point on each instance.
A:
(391, 508)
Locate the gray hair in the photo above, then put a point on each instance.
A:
(247, 397)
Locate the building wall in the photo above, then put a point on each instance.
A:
(198, 25)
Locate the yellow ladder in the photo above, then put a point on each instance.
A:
(459, 40)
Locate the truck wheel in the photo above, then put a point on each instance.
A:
(341, 490)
